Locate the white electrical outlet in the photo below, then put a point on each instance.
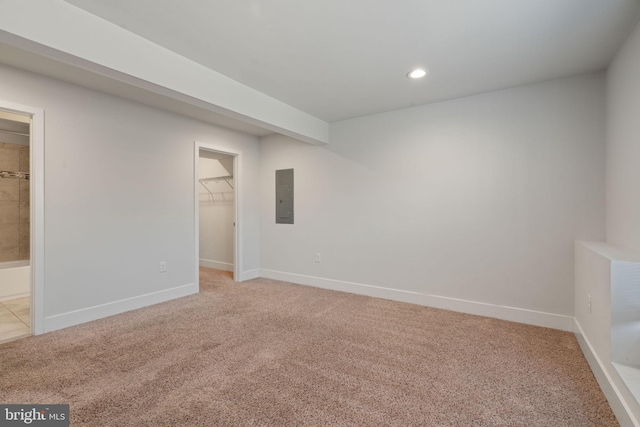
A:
(318, 257)
(589, 303)
(163, 267)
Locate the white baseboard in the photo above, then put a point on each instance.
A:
(218, 265)
(16, 296)
(64, 320)
(608, 385)
(248, 275)
(514, 314)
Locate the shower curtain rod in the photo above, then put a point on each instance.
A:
(14, 175)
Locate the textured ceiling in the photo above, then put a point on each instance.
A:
(339, 59)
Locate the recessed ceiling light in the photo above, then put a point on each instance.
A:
(418, 73)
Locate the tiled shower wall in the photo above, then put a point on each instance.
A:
(14, 204)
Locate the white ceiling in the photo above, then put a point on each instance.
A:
(338, 59)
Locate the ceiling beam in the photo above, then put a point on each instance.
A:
(62, 32)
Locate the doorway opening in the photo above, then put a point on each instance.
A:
(21, 221)
(216, 191)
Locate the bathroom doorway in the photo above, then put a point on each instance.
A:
(21, 221)
(15, 241)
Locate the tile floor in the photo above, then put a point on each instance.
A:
(15, 319)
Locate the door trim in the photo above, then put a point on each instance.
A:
(237, 202)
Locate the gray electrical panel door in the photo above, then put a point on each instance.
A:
(284, 196)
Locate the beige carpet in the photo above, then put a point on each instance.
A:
(271, 353)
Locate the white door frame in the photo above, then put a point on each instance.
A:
(237, 205)
(36, 187)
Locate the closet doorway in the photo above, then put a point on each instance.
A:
(216, 196)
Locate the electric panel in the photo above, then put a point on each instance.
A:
(284, 196)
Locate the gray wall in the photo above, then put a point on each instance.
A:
(119, 179)
(477, 199)
(623, 146)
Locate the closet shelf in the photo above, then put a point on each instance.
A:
(226, 179)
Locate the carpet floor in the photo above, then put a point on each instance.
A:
(271, 353)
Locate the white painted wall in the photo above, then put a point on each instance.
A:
(477, 199)
(119, 182)
(623, 146)
(216, 215)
